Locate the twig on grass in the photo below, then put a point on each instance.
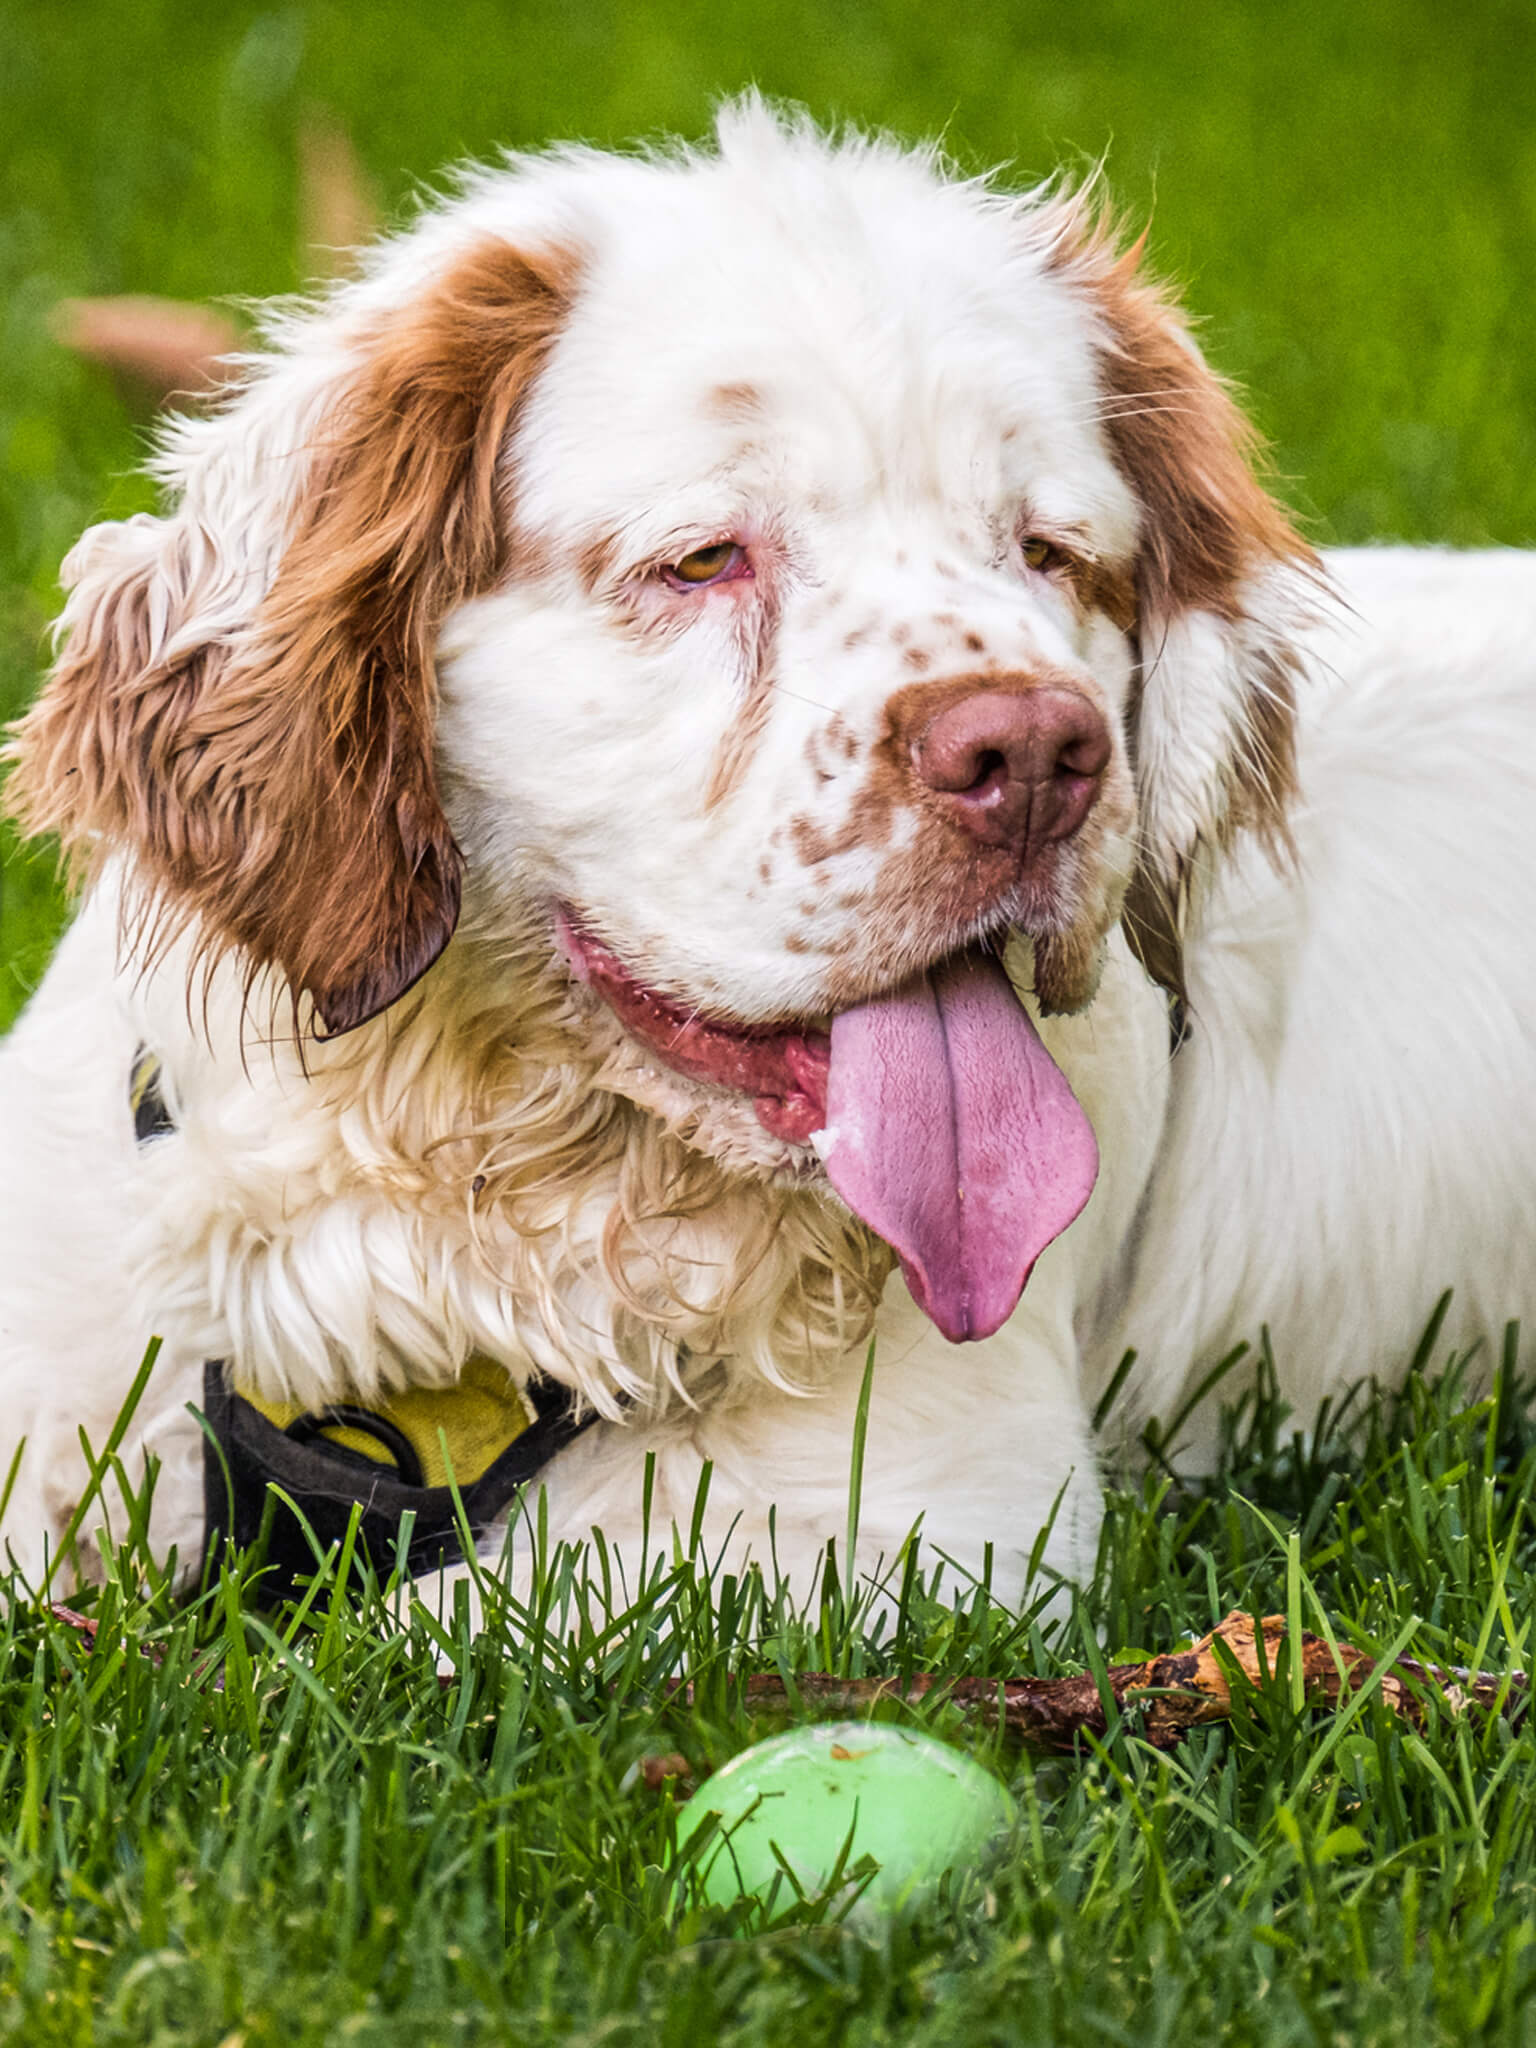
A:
(1164, 1697)
(86, 1630)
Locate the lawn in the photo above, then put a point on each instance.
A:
(222, 1827)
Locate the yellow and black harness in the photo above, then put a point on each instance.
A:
(414, 1463)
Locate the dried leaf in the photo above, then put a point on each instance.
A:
(163, 345)
(1162, 1698)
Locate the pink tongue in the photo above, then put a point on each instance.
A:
(952, 1132)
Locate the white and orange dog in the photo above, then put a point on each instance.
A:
(651, 794)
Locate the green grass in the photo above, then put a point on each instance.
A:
(224, 1826)
(220, 1827)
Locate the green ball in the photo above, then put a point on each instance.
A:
(916, 1806)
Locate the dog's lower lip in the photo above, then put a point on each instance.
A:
(782, 1069)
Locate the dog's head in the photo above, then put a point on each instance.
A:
(761, 581)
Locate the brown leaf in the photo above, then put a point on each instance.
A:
(164, 346)
(671, 1772)
(171, 348)
(1162, 1698)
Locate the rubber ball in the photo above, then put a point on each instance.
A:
(913, 1804)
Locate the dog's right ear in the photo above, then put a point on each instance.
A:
(246, 697)
(1223, 581)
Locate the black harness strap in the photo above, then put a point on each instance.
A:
(246, 1454)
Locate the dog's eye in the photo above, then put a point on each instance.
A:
(1043, 554)
(716, 564)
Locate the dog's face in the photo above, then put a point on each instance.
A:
(770, 578)
(816, 665)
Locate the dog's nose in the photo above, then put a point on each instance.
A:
(1015, 768)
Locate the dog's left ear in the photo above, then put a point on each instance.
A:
(245, 703)
(404, 517)
(1222, 582)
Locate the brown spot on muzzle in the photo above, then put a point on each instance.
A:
(929, 754)
(738, 744)
(735, 402)
(942, 883)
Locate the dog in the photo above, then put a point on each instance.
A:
(720, 761)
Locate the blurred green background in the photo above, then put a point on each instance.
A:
(1347, 194)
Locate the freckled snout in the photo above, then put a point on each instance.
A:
(1014, 768)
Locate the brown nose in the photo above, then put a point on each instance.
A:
(1015, 768)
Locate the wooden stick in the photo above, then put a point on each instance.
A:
(1163, 1698)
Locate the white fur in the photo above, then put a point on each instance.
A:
(1352, 1126)
(1348, 1130)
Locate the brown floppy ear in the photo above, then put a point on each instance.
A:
(1222, 582)
(265, 753)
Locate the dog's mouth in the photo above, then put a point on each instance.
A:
(784, 1071)
(938, 1114)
